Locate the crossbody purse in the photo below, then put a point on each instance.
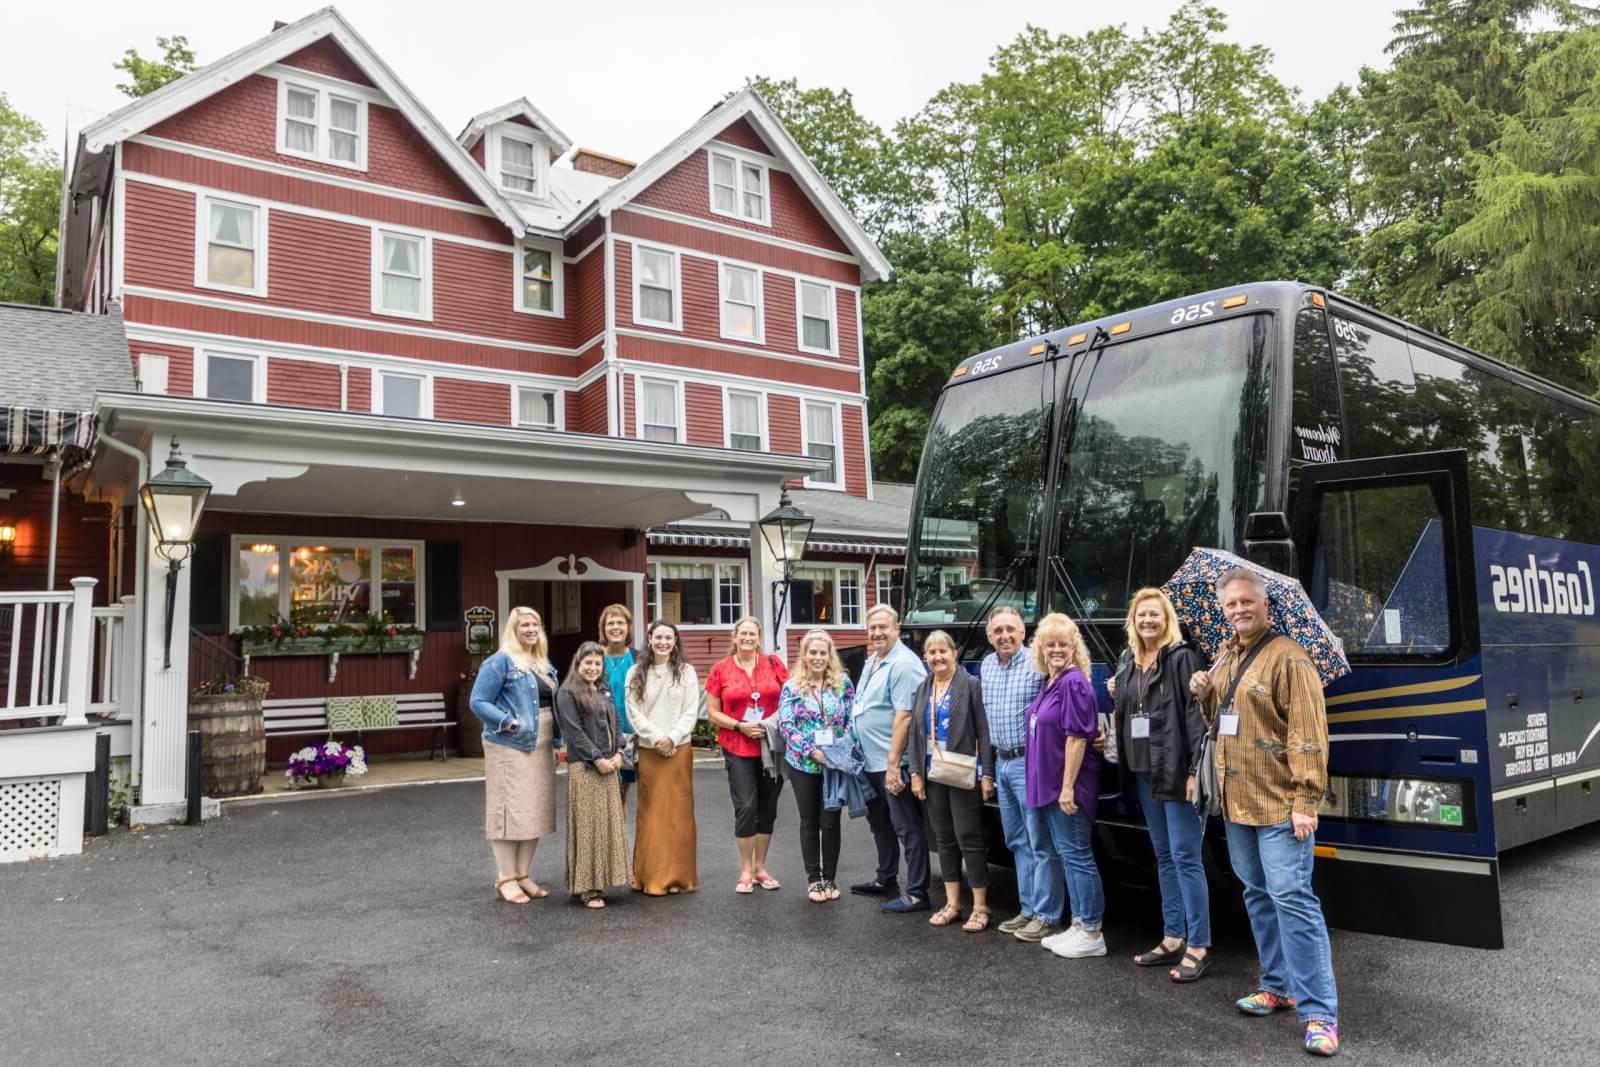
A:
(953, 770)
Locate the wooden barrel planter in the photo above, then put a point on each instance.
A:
(233, 743)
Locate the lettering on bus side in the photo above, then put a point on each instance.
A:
(1541, 590)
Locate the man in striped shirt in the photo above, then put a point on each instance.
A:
(1009, 685)
(1272, 764)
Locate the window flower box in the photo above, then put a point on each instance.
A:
(374, 635)
(320, 646)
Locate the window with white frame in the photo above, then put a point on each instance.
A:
(519, 168)
(741, 303)
(817, 318)
(403, 395)
(825, 595)
(539, 270)
(655, 286)
(537, 407)
(696, 592)
(401, 274)
(744, 420)
(322, 124)
(232, 246)
(230, 377)
(658, 410)
(891, 583)
(822, 441)
(325, 582)
(739, 188)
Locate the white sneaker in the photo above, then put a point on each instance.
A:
(1079, 945)
(1058, 938)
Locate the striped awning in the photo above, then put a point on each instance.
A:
(680, 536)
(28, 430)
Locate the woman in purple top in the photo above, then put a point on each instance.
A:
(1063, 776)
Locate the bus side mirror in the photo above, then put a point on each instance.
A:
(1267, 542)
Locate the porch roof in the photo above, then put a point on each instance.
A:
(277, 460)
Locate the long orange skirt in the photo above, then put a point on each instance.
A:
(664, 837)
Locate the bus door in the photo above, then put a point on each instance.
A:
(1406, 844)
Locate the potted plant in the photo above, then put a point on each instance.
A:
(327, 764)
(226, 710)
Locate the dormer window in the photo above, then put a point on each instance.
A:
(517, 159)
(739, 188)
(315, 122)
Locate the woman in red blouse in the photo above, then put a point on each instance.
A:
(742, 690)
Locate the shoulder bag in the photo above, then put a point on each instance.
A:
(1208, 786)
(950, 769)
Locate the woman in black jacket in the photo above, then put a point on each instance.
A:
(948, 709)
(1159, 730)
(597, 833)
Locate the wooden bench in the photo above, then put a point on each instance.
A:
(308, 717)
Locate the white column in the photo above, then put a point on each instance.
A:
(166, 689)
(764, 570)
(79, 641)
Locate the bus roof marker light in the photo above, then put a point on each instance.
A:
(1077, 339)
(1038, 349)
(959, 372)
(1234, 301)
(1121, 328)
(1317, 301)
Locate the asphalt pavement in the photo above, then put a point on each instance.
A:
(362, 929)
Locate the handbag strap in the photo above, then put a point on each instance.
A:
(1227, 701)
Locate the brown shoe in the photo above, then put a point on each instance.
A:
(1034, 932)
(1015, 923)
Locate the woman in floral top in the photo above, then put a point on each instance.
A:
(814, 713)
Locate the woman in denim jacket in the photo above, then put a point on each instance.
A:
(513, 696)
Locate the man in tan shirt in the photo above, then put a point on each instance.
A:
(1272, 764)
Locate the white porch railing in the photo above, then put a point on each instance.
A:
(60, 657)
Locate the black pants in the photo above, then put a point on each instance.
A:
(957, 817)
(755, 795)
(819, 828)
(905, 816)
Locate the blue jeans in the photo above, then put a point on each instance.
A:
(1176, 833)
(1039, 885)
(1073, 837)
(1285, 916)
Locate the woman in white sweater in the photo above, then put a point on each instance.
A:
(663, 703)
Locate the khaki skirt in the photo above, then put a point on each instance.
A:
(519, 788)
(597, 831)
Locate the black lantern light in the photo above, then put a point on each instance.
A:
(785, 529)
(173, 501)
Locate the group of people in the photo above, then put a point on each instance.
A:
(922, 742)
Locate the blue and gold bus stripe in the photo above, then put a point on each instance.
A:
(1416, 689)
(1414, 711)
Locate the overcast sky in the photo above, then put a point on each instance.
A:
(626, 76)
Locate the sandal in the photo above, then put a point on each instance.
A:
(817, 892)
(1159, 956)
(500, 894)
(833, 890)
(1192, 969)
(978, 921)
(594, 899)
(945, 915)
(538, 892)
(745, 885)
(766, 881)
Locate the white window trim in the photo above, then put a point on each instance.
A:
(284, 541)
(838, 442)
(202, 238)
(557, 278)
(723, 266)
(258, 379)
(677, 287)
(324, 112)
(379, 373)
(878, 584)
(560, 404)
(541, 159)
(652, 579)
(426, 314)
(638, 406)
(800, 317)
(739, 160)
(761, 415)
(837, 569)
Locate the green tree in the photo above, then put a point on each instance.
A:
(145, 76)
(30, 209)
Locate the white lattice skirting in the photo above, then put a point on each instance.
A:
(42, 792)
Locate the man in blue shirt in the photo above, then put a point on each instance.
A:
(1009, 685)
(888, 687)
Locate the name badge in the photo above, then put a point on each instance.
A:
(1229, 726)
(823, 737)
(1139, 727)
(752, 712)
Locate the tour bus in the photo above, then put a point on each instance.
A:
(1438, 506)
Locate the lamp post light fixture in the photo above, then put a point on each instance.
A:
(785, 529)
(173, 501)
(8, 538)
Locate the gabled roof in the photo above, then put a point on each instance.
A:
(518, 108)
(747, 104)
(190, 89)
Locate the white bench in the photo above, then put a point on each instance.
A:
(308, 716)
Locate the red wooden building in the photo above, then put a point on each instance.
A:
(426, 372)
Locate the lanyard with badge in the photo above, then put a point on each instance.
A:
(822, 737)
(1227, 714)
(752, 710)
(1139, 721)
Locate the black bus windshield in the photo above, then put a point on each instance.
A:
(975, 536)
(1166, 451)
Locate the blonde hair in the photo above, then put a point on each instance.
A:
(539, 661)
(733, 635)
(1057, 624)
(615, 609)
(833, 673)
(1170, 633)
(940, 636)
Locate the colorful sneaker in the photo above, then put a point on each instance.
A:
(1322, 1038)
(1263, 1003)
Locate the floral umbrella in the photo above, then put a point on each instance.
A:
(1289, 610)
